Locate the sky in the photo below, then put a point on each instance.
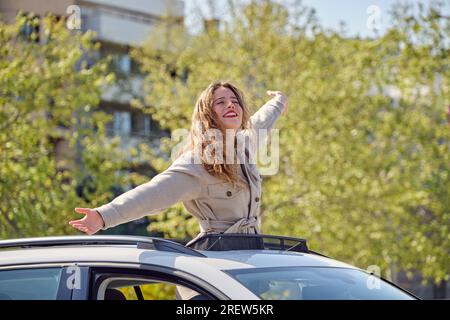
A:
(360, 16)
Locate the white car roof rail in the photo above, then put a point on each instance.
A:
(140, 242)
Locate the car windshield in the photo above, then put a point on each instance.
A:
(316, 283)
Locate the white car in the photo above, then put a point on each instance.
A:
(130, 267)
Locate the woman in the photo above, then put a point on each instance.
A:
(223, 196)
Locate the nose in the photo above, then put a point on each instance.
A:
(231, 105)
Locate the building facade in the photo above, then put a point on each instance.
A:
(119, 26)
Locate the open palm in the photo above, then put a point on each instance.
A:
(90, 223)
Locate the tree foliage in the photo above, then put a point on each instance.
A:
(364, 172)
(49, 89)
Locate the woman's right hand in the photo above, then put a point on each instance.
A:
(91, 223)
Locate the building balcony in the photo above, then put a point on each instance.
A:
(126, 23)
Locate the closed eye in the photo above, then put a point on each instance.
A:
(220, 102)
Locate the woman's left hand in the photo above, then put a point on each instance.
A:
(279, 96)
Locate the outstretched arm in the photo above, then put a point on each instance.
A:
(263, 120)
(176, 184)
(268, 114)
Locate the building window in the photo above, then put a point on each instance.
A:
(31, 28)
(122, 63)
(147, 126)
(122, 123)
(125, 63)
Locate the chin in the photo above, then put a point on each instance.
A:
(232, 126)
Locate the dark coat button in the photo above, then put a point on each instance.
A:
(229, 193)
(257, 199)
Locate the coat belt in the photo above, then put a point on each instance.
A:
(243, 225)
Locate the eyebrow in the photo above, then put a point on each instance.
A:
(224, 98)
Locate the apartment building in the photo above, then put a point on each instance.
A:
(119, 26)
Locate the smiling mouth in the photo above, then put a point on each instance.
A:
(230, 114)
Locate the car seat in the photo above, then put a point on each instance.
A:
(114, 294)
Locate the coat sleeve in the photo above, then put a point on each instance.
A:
(180, 182)
(262, 122)
(267, 115)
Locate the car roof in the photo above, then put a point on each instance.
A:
(221, 260)
(274, 258)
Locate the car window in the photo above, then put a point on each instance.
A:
(30, 284)
(316, 283)
(128, 287)
(151, 291)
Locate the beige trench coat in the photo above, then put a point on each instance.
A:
(216, 204)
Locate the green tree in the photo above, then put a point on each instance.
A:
(365, 145)
(49, 92)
